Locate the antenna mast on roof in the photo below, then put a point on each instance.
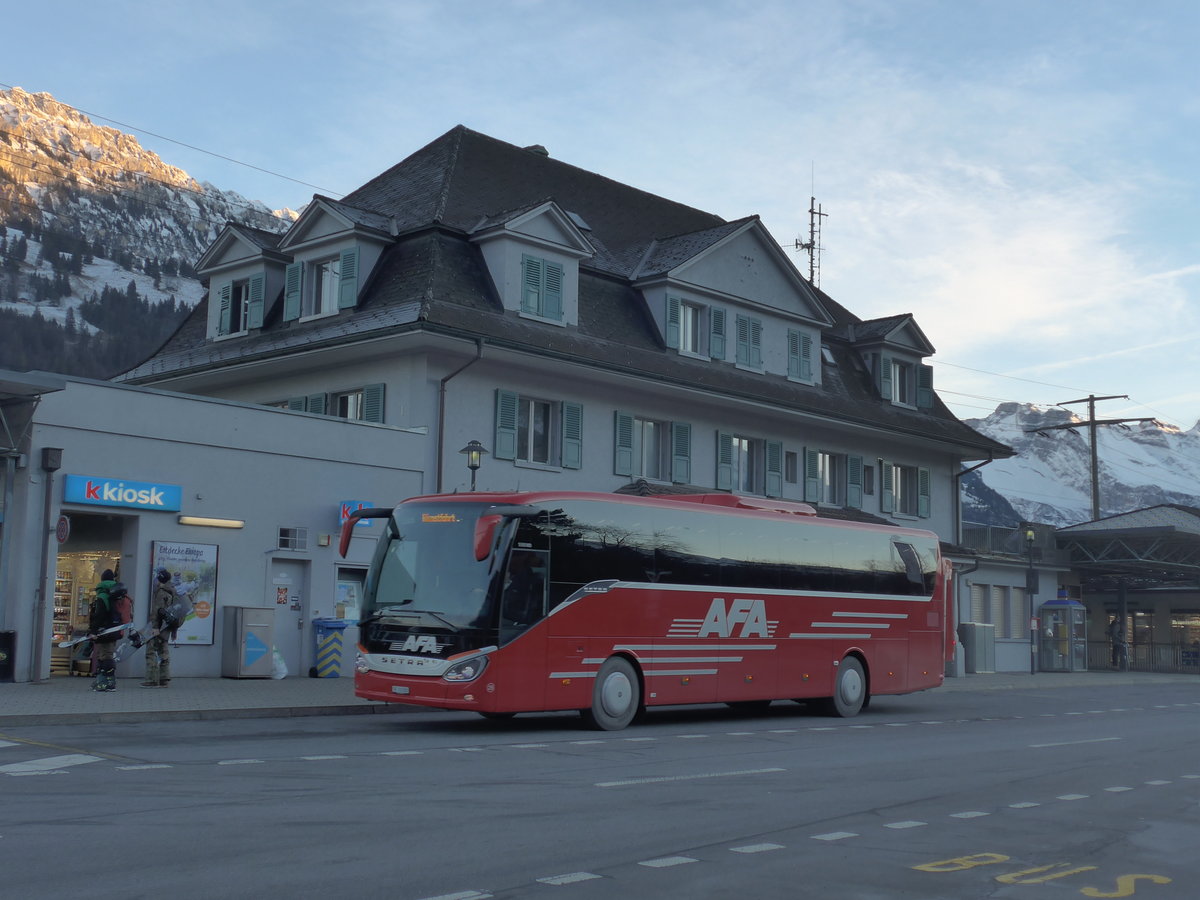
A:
(813, 244)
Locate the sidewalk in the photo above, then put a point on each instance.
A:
(69, 701)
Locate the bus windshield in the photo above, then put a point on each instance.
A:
(427, 565)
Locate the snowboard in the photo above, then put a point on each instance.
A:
(79, 640)
(135, 639)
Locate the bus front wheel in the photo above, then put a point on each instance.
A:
(615, 696)
(849, 689)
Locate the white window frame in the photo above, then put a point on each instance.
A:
(654, 453)
(527, 410)
(320, 291)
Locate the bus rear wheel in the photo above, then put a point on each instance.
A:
(616, 696)
(849, 690)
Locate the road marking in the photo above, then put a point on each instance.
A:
(465, 750)
(897, 724)
(784, 731)
(239, 762)
(8, 743)
(1073, 743)
(690, 737)
(1158, 782)
(1071, 797)
(147, 766)
(974, 814)
(685, 777)
(402, 752)
(635, 740)
(909, 824)
(582, 743)
(461, 895)
(667, 861)
(572, 878)
(1023, 805)
(48, 764)
(529, 746)
(834, 836)
(326, 756)
(756, 848)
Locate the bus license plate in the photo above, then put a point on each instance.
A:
(399, 689)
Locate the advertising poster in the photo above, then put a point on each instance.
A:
(193, 569)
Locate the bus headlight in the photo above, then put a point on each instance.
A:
(467, 670)
(360, 664)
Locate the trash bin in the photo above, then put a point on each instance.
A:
(8, 656)
(328, 635)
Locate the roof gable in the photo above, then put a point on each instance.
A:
(324, 218)
(238, 245)
(899, 332)
(544, 224)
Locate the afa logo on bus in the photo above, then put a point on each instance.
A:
(721, 620)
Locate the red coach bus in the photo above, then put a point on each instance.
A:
(605, 603)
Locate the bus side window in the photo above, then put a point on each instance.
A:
(912, 567)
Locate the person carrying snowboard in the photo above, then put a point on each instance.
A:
(111, 606)
(158, 648)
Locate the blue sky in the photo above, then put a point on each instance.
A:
(1021, 176)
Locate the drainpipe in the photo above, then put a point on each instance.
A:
(441, 428)
(958, 497)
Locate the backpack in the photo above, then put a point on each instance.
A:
(171, 617)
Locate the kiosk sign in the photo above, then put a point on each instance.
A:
(89, 489)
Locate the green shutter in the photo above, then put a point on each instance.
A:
(296, 403)
(793, 353)
(254, 312)
(885, 377)
(742, 356)
(292, 283)
(887, 490)
(812, 475)
(716, 333)
(923, 493)
(531, 284)
(505, 443)
(756, 343)
(373, 402)
(681, 453)
(348, 279)
(925, 387)
(315, 403)
(572, 436)
(774, 468)
(724, 461)
(806, 360)
(674, 314)
(552, 299)
(226, 308)
(622, 444)
(854, 481)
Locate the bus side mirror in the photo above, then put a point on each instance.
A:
(485, 535)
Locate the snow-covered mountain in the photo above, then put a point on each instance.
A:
(1050, 480)
(91, 190)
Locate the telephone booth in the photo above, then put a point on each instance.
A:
(1062, 636)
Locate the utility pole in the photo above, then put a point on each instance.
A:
(1092, 422)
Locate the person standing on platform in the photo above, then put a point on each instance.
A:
(163, 631)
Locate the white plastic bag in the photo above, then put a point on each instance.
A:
(278, 666)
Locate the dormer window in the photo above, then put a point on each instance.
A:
(541, 288)
(695, 329)
(321, 286)
(241, 305)
(902, 382)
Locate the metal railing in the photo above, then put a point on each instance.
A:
(1174, 658)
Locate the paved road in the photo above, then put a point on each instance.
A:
(1082, 792)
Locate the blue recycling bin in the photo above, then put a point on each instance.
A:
(328, 636)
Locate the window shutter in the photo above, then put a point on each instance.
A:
(724, 462)
(296, 403)
(254, 313)
(226, 308)
(742, 356)
(531, 279)
(315, 403)
(348, 279)
(373, 402)
(674, 314)
(887, 490)
(756, 343)
(923, 493)
(812, 475)
(552, 302)
(716, 333)
(623, 444)
(774, 468)
(572, 436)
(854, 481)
(806, 361)
(793, 353)
(681, 453)
(925, 387)
(505, 443)
(885, 377)
(292, 283)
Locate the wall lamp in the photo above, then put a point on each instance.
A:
(212, 523)
(474, 452)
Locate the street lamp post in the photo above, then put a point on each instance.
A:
(474, 451)
(1031, 587)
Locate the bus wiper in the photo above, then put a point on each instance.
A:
(390, 609)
